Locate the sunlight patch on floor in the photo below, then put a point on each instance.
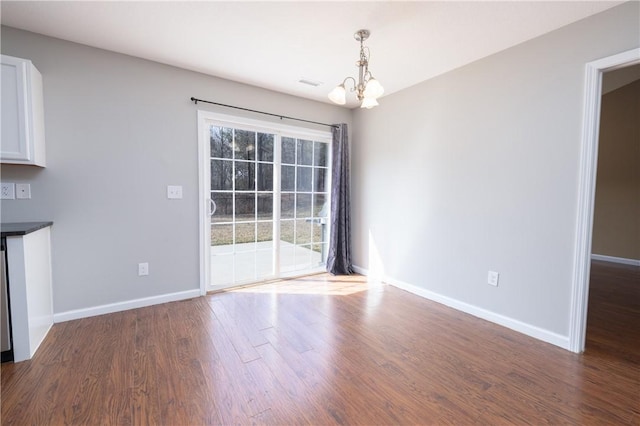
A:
(320, 284)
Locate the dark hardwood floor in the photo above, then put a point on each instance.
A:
(329, 350)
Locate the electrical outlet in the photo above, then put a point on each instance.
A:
(8, 191)
(143, 269)
(174, 192)
(492, 278)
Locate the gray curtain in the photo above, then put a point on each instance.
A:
(339, 253)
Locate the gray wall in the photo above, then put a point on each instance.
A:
(470, 171)
(118, 131)
(477, 170)
(616, 221)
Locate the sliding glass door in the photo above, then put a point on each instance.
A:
(304, 207)
(265, 190)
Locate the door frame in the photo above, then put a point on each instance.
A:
(206, 118)
(586, 190)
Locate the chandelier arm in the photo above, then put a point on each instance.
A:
(355, 84)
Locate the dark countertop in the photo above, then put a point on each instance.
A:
(21, 228)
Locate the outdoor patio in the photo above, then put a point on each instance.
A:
(253, 262)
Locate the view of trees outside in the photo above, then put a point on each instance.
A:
(242, 187)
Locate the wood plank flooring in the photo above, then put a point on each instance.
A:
(329, 350)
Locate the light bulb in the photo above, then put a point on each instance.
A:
(373, 89)
(369, 103)
(338, 95)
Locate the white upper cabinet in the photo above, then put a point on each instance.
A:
(22, 113)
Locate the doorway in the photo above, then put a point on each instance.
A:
(616, 222)
(264, 193)
(586, 191)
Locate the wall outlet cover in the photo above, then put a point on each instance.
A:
(8, 191)
(143, 269)
(174, 192)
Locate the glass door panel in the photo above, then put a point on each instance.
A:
(242, 193)
(269, 198)
(304, 205)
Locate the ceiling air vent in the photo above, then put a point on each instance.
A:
(308, 82)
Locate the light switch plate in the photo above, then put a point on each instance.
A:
(492, 278)
(8, 191)
(174, 192)
(23, 191)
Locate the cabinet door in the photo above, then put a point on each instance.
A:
(5, 333)
(15, 144)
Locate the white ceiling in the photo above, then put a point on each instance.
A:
(275, 44)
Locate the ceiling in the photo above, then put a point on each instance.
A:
(613, 80)
(276, 44)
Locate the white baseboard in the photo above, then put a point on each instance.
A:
(513, 324)
(624, 261)
(360, 270)
(123, 306)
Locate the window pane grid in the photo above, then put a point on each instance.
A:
(306, 184)
(246, 163)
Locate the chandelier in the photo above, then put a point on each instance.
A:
(367, 88)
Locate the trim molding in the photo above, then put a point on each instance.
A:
(513, 324)
(124, 306)
(586, 191)
(360, 270)
(204, 174)
(613, 259)
(205, 119)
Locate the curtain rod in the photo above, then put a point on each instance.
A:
(196, 100)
